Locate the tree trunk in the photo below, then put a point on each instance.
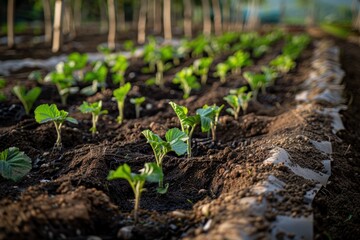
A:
(121, 17)
(47, 21)
(158, 16)
(253, 17)
(206, 17)
(217, 17)
(188, 18)
(57, 37)
(112, 24)
(167, 20)
(10, 23)
(142, 22)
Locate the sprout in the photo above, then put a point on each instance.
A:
(215, 113)
(151, 173)
(283, 63)
(130, 46)
(27, 98)
(187, 81)
(120, 96)
(221, 71)
(36, 76)
(270, 75)
(238, 60)
(137, 102)
(256, 81)
(119, 69)
(95, 110)
(46, 113)
(97, 76)
(238, 99)
(201, 68)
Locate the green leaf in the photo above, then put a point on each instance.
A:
(122, 172)
(175, 137)
(45, 113)
(152, 172)
(121, 92)
(137, 101)
(14, 164)
(181, 111)
(27, 98)
(207, 117)
(2, 83)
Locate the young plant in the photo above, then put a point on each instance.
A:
(119, 69)
(137, 102)
(150, 173)
(97, 77)
(238, 60)
(234, 102)
(120, 96)
(2, 85)
(96, 110)
(188, 123)
(187, 81)
(270, 75)
(243, 98)
(14, 164)
(256, 81)
(174, 141)
(221, 71)
(130, 46)
(27, 98)
(201, 68)
(50, 113)
(283, 63)
(36, 76)
(215, 113)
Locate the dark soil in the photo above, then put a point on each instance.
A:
(66, 194)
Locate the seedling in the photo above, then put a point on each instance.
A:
(187, 81)
(137, 102)
(234, 102)
(95, 110)
(242, 97)
(97, 77)
(283, 63)
(119, 69)
(256, 81)
(238, 60)
(120, 96)
(2, 85)
(50, 113)
(151, 173)
(188, 123)
(174, 141)
(76, 61)
(36, 76)
(215, 113)
(130, 46)
(270, 76)
(221, 71)
(201, 68)
(14, 164)
(27, 98)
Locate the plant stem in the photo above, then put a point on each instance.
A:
(203, 79)
(137, 110)
(94, 121)
(137, 193)
(189, 141)
(58, 131)
(121, 112)
(159, 74)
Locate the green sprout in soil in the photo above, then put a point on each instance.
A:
(187, 81)
(27, 98)
(14, 164)
(97, 76)
(36, 76)
(283, 63)
(2, 85)
(174, 141)
(50, 113)
(238, 99)
(130, 46)
(270, 75)
(119, 69)
(222, 70)
(239, 60)
(150, 173)
(214, 114)
(234, 102)
(201, 68)
(137, 102)
(120, 96)
(256, 81)
(96, 111)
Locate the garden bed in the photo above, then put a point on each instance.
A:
(228, 189)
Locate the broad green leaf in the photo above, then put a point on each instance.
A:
(121, 92)
(27, 98)
(14, 164)
(181, 111)
(137, 101)
(175, 137)
(207, 117)
(122, 172)
(45, 113)
(152, 172)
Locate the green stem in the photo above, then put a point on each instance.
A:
(203, 79)
(58, 132)
(160, 74)
(121, 112)
(137, 192)
(137, 110)
(94, 121)
(189, 141)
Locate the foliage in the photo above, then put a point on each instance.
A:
(119, 68)
(14, 164)
(137, 102)
(201, 68)
(96, 110)
(238, 60)
(283, 63)
(199, 46)
(36, 76)
(238, 99)
(2, 85)
(130, 46)
(210, 113)
(256, 81)
(120, 96)
(27, 98)
(97, 76)
(270, 75)
(221, 71)
(187, 81)
(50, 113)
(150, 173)
(234, 102)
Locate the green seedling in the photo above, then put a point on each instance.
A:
(119, 69)
(96, 111)
(63, 80)
(76, 61)
(187, 81)
(283, 63)
(14, 164)
(201, 68)
(27, 98)
(234, 102)
(150, 173)
(221, 71)
(174, 141)
(36, 76)
(97, 76)
(2, 85)
(239, 60)
(104, 49)
(256, 81)
(188, 123)
(130, 46)
(215, 113)
(243, 97)
(199, 46)
(120, 96)
(50, 113)
(270, 76)
(148, 54)
(137, 102)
